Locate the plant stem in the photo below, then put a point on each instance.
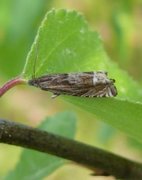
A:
(92, 157)
(10, 84)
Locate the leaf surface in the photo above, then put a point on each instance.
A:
(65, 43)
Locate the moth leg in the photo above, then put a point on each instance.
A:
(55, 95)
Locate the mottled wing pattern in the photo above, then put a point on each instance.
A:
(86, 84)
(106, 91)
(66, 80)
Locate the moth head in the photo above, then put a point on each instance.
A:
(33, 82)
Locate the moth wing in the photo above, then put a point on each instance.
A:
(108, 91)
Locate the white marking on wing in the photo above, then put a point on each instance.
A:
(95, 79)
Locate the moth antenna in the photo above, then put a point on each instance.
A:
(36, 58)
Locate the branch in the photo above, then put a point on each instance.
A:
(92, 157)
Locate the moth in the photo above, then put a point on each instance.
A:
(82, 84)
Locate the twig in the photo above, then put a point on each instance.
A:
(21, 135)
(10, 84)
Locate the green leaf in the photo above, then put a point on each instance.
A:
(36, 165)
(124, 115)
(18, 25)
(64, 43)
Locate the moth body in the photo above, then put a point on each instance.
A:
(84, 84)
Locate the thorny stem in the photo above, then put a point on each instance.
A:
(10, 84)
(89, 156)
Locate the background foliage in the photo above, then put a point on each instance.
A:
(119, 25)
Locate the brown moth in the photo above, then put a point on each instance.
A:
(83, 84)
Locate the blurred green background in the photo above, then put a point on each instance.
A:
(119, 24)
